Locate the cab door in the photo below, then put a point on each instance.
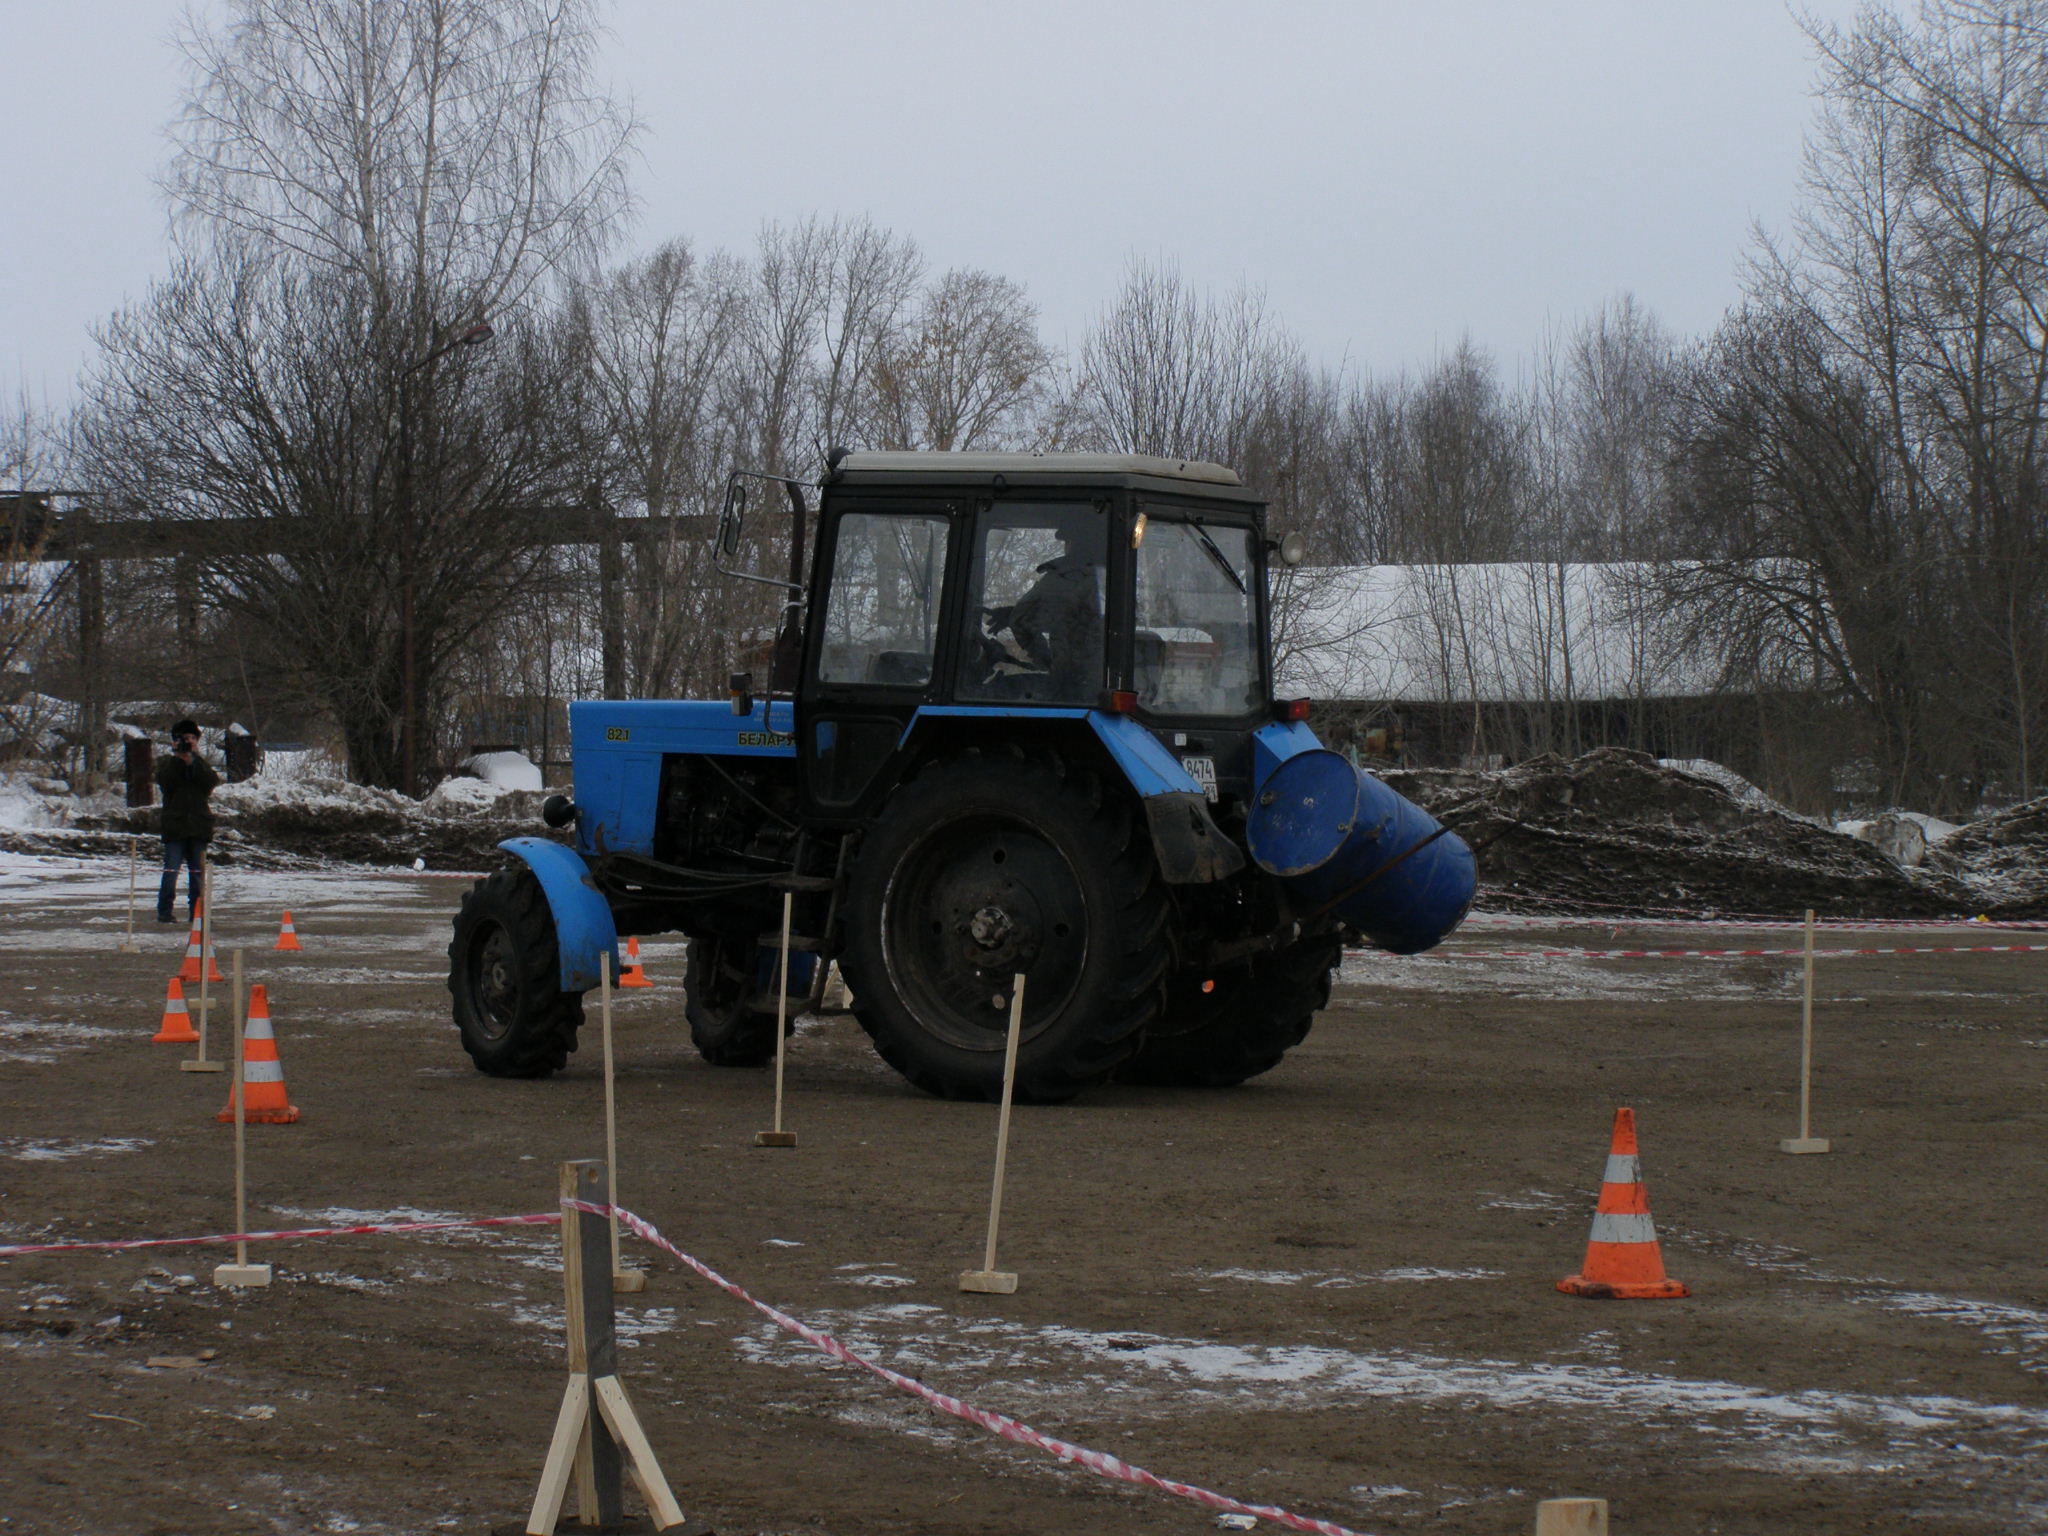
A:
(874, 649)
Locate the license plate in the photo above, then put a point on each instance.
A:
(1203, 771)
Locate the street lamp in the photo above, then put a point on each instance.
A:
(475, 335)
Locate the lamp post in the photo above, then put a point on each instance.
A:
(475, 335)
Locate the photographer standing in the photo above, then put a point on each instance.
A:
(184, 779)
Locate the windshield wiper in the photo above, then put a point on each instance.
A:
(1222, 560)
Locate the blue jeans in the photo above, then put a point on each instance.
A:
(185, 851)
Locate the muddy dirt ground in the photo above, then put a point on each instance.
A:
(1331, 1289)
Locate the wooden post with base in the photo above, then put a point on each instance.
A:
(1571, 1517)
(596, 1423)
(1806, 1141)
(779, 1137)
(623, 1279)
(128, 945)
(241, 1272)
(201, 1062)
(988, 1278)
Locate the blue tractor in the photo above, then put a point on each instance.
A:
(1021, 721)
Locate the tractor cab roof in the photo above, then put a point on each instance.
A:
(1110, 471)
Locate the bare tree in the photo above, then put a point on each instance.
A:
(965, 371)
(663, 334)
(31, 461)
(360, 185)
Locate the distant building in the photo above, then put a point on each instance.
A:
(1441, 665)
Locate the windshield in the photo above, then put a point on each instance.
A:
(1195, 648)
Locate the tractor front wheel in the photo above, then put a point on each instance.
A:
(1222, 1027)
(505, 971)
(985, 867)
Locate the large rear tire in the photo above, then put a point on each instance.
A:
(983, 867)
(1252, 1015)
(505, 971)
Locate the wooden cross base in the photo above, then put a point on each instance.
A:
(628, 1282)
(775, 1138)
(992, 1282)
(570, 1455)
(241, 1274)
(1571, 1517)
(202, 1066)
(597, 1434)
(1804, 1144)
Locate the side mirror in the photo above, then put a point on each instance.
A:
(731, 517)
(1293, 550)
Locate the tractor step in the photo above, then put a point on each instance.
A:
(801, 883)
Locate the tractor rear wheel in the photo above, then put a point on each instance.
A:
(719, 992)
(984, 867)
(505, 971)
(1250, 1016)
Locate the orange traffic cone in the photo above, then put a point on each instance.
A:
(1623, 1261)
(287, 936)
(177, 1025)
(262, 1072)
(634, 976)
(199, 952)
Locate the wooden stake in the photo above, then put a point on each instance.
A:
(596, 1420)
(128, 945)
(623, 1279)
(241, 1272)
(1571, 1517)
(200, 1063)
(1806, 1141)
(779, 1137)
(988, 1278)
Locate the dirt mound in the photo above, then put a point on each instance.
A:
(2003, 859)
(275, 825)
(1615, 830)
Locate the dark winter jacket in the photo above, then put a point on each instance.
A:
(185, 786)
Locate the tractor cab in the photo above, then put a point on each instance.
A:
(1009, 585)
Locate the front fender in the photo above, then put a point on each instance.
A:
(584, 929)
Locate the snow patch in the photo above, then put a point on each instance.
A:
(57, 1149)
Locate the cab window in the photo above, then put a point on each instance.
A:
(1035, 594)
(1194, 649)
(882, 609)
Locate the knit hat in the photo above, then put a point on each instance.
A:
(184, 728)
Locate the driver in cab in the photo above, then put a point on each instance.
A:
(1057, 623)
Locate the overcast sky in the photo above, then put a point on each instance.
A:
(1394, 174)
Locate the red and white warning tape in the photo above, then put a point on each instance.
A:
(1576, 911)
(1711, 954)
(545, 1219)
(1099, 1462)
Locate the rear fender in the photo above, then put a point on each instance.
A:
(584, 930)
(1191, 848)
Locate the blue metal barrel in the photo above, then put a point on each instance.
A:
(1342, 841)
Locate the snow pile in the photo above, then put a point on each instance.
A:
(1616, 830)
(460, 796)
(24, 807)
(505, 770)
